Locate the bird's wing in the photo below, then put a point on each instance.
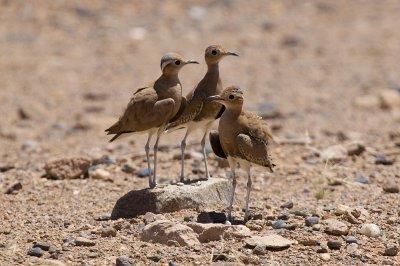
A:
(254, 151)
(257, 128)
(194, 103)
(180, 111)
(216, 144)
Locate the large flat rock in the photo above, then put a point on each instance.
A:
(203, 195)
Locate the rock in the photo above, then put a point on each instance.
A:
(215, 232)
(260, 250)
(164, 231)
(279, 224)
(383, 160)
(335, 227)
(342, 209)
(270, 242)
(150, 217)
(370, 230)
(283, 216)
(14, 188)
(323, 248)
(355, 148)
(100, 173)
(391, 250)
(108, 231)
(105, 159)
(360, 178)
(352, 248)
(123, 261)
(310, 221)
(82, 241)
(389, 99)
(30, 146)
(43, 246)
(325, 256)
(367, 101)
(36, 252)
(287, 205)
(212, 193)
(308, 241)
(127, 168)
(334, 244)
(391, 187)
(67, 168)
(211, 217)
(351, 240)
(220, 257)
(144, 172)
(6, 167)
(336, 153)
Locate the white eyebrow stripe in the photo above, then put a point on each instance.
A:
(164, 64)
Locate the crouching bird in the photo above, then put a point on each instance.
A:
(243, 138)
(152, 107)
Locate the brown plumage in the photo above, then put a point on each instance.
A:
(243, 137)
(198, 112)
(153, 106)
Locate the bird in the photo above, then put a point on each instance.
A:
(242, 137)
(199, 113)
(153, 106)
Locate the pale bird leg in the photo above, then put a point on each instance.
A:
(232, 164)
(249, 183)
(183, 147)
(159, 132)
(147, 149)
(203, 149)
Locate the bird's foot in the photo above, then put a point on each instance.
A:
(182, 179)
(152, 184)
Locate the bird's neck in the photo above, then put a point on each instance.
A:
(213, 68)
(168, 77)
(233, 112)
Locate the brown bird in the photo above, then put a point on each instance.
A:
(243, 138)
(153, 106)
(199, 113)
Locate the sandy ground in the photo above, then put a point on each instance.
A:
(68, 68)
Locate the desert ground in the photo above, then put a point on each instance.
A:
(325, 75)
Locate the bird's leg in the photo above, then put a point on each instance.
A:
(159, 132)
(249, 183)
(183, 147)
(232, 164)
(147, 149)
(203, 149)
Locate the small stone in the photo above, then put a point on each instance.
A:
(81, 241)
(93, 255)
(310, 221)
(36, 252)
(105, 159)
(211, 217)
(270, 242)
(108, 231)
(391, 250)
(127, 168)
(155, 258)
(6, 167)
(383, 160)
(370, 230)
(334, 244)
(30, 146)
(287, 205)
(391, 187)
(323, 248)
(260, 250)
(360, 178)
(342, 209)
(144, 172)
(308, 241)
(219, 257)
(352, 248)
(334, 154)
(100, 173)
(43, 246)
(279, 224)
(283, 216)
(123, 261)
(335, 227)
(325, 256)
(67, 168)
(355, 148)
(14, 188)
(351, 240)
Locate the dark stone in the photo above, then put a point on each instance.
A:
(260, 250)
(36, 252)
(283, 216)
(391, 187)
(220, 257)
(287, 205)
(279, 224)
(6, 167)
(155, 258)
(144, 172)
(14, 188)
(211, 217)
(123, 261)
(351, 239)
(334, 244)
(362, 179)
(391, 250)
(127, 168)
(43, 246)
(104, 217)
(323, 248)
(383, 160)
(310, 221)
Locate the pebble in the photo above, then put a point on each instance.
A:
(259, 250)
(351, 240)
(14, 188)
(334, 244)
(355, 148)
(287, 205)
(370, 230)
(279, 224)
(105, 159)
(100, 173)
(335, 227)
(310, 221)
(211, 217)
(30, 146)
(270, 242)
(108, 231)
(81, 241)
(352, 248)
(283, 216)
(383, 160)
(391, 187)
(36, 252)
(325, 256)
(323, 248)
(127, 168)
(43, 246)
(391, 250)
(336, 153)
(360, 178)
(143, 172)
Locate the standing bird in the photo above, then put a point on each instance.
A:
(243, 138)
(199, 113)
(153, 106)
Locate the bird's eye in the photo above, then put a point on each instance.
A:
(177, 62)
(214, 52)
(231, 97)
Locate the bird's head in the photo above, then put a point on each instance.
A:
(231, 97)
(171, 63)
(214, 54)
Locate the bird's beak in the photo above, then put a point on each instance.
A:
(192, 62)
(215, 98)
(231, 53)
